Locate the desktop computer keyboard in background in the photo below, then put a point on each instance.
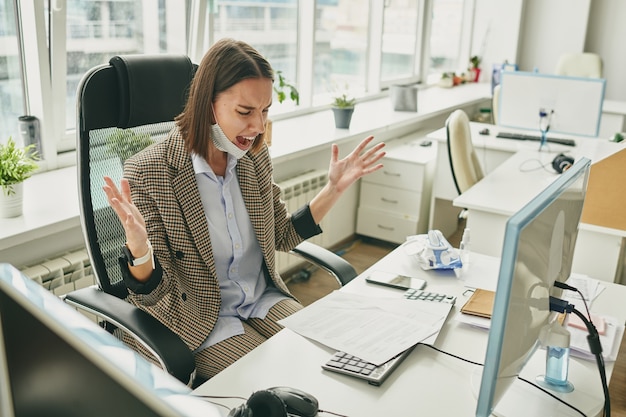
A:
(346, 364)
(421, 295)
(521, 136)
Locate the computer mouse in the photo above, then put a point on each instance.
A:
(426, 143)
(297, 402)
(484, 131)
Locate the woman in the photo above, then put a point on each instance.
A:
(203, 217)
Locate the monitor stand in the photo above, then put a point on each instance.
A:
(522, 399)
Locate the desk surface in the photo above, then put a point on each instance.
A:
(426, 379)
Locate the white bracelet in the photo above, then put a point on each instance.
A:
(149, 256)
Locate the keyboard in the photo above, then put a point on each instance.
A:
(421, 295)
(521, 136)
(347, 364)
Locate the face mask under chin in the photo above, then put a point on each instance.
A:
(222, 143)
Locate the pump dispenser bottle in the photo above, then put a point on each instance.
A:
(556, 338)
(464, 248)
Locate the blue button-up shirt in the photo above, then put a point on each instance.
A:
(237, 254)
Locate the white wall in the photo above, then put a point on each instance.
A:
(605, 36)
(534, 33)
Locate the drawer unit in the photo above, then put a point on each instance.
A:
(400, 174)
(390, 199)
(394, 201)
(385, 225)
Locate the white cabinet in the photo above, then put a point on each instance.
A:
(394, 201)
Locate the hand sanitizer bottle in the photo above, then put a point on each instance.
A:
(557, 343)
(464, 248)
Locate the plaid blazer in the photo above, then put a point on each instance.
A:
(186, 297)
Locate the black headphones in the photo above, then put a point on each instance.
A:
(261, 403)
(562, 163)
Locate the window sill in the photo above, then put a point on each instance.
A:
(51, 203)
(294, 137)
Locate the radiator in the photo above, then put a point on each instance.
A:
(64, 273)
(296, 192)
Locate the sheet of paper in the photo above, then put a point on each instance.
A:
(610, 340)
(373, 328)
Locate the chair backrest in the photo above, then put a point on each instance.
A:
(464, 163)
(495, 104)
(584, 64)
(122, 107)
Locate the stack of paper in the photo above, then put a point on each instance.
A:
(372, 328)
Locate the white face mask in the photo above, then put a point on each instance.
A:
(222, 143)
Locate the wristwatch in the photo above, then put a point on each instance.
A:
(132, 261)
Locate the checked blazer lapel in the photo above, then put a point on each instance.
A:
(251, 193)
(188, 197)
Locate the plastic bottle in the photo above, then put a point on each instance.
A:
(557, 354)
(464, 248)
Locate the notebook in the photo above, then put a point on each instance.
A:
(479, 304)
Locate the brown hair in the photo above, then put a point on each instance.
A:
(226, 63)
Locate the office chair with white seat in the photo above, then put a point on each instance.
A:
(583, 64)
(464, 164)
(495, 104)
(123, 107)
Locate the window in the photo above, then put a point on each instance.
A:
(340, 46)
(11, 92)
(319, 45)
(271, 26)
(400, 41)
(97, 30)
(446, 36)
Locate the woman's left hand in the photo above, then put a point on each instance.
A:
(342, 173)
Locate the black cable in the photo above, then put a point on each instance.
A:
(518, 377)
(565, 286)
(595, 347)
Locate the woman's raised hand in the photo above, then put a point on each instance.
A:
(130, 217)
(343, 173)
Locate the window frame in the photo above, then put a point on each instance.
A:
(45, 67)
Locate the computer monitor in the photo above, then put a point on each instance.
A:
(56, 362)
(538, 249)
(576, 102)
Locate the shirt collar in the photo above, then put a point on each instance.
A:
(201, 166)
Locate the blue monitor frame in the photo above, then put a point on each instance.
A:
(533, 257)
(54, 361)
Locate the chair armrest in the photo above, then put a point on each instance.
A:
(331, 262)
(169, 349)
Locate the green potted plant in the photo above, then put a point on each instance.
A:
(16, 166)
(343, 107)
(124, 143)
(284, 90)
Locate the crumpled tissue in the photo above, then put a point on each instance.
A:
(433, 251)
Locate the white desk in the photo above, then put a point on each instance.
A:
(514, 183)
(491, 151)
(429, 382)
(502, 193)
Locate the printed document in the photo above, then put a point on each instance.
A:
(372, 328)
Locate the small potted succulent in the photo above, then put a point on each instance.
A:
(16, 166)
(343, 107)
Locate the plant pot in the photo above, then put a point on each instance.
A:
(474, 74)
(404, 97)
(11, 205)
(343, 116)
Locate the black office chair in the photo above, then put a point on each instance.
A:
(122, 107)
